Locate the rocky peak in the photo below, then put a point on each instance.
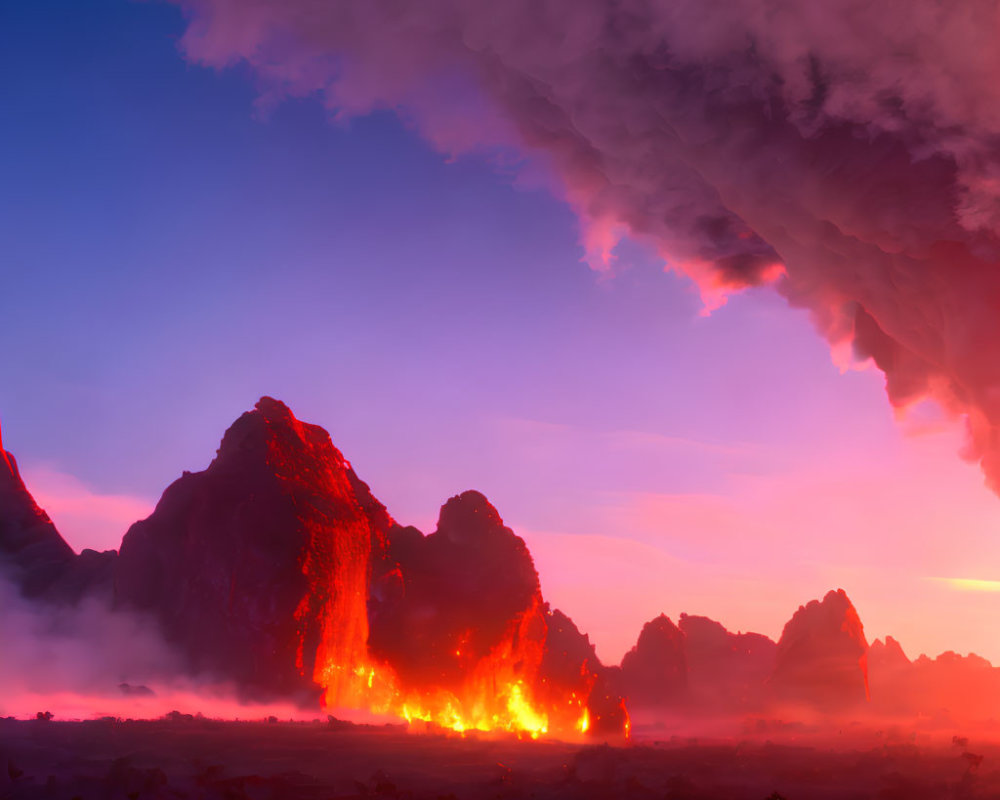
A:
(655, 672)
(258, 567)
(30, 546)
(821, 656)
(462, 588)
(887, 654)
(467, 517)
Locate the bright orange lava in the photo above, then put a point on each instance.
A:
(496, 694)
(478, 706)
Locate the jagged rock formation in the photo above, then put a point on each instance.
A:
(33, 554)
(570, 658)
(890, 677)
(456, 597)
(569, 671)
(277, 569)
(726, 671)
(948, 687)
(654, 673)
(258, 567)
(887, 656)
(30, 545)
(821, 656)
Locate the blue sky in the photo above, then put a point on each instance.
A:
(170, 253)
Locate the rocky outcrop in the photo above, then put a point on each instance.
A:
(569, 672)
(821, 657)
(32, 553)
(450, 600)
(30, 546)
(277, 569)
(951, 687)
(654, 673)
(258, 567)
(726, 671)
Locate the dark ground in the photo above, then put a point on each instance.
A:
(188, 757)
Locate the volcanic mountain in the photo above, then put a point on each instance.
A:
(276, 568)
(258, 567)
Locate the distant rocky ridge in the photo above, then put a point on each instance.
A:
(34, 555)
(277, 569)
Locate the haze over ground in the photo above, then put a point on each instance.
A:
(176, 250)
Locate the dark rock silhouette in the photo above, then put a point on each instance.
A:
(30, 545)
(258, 567)
(569, 672)
(654, 673)
(726, 671)
(821, 656)
(276, 568)
(609, 709)
(448, 600)
(33, 554)
(570, 657)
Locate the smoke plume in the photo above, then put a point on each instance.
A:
(86, 661)
(845, 151)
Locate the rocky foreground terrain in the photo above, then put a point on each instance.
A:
(184, 757)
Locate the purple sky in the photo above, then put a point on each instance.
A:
(172, 251)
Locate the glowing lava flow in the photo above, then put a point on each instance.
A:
(510, 710)
(495, 696)
(475, 707)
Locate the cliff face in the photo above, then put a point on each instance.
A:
(258, 567)
(821, 658)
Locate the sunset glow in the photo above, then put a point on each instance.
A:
(635, 329)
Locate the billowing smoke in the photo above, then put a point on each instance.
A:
(845, 150)
(76, 657)
(86, 660)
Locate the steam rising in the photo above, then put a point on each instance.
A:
(846, 151)
(84, 650)
(87, 661)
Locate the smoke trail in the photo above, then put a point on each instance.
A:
(847, 151)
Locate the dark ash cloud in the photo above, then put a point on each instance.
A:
(846, 151)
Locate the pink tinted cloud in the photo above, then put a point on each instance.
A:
(85, 518)
(849, 147)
